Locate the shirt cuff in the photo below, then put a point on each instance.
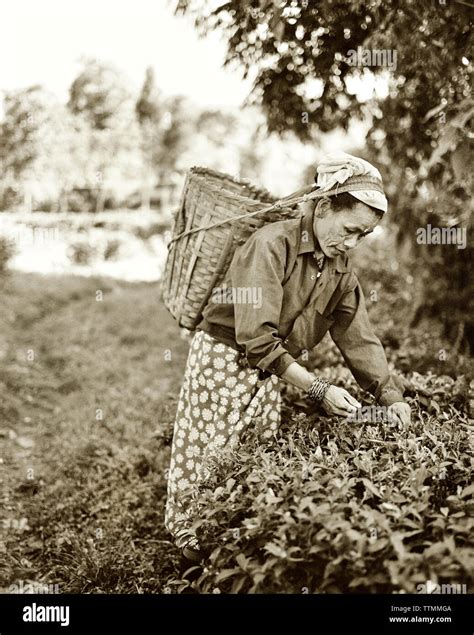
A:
(277, 365)
(391, 392)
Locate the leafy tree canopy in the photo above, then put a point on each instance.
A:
(301, 53)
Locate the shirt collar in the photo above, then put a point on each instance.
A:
(309, 243)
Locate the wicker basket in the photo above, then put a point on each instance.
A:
(216, 214)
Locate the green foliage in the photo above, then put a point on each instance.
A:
(99, 94)
(420, 132)
(25, 112)
(47, 152)
(112, 249)
(148, 104)
(7, 250)
(166, 130)
(329, 507)
(323, 506)
(294, 43)
(90, 154)
(81, 252)
(94, 502)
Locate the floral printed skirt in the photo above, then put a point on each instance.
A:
(218, 401)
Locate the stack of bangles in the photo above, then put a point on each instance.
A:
(318, 389)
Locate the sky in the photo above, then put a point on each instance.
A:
(42, 42)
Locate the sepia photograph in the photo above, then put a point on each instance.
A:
(236, 316)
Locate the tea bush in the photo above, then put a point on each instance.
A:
(333, 507)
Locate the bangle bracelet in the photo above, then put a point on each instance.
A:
(318, 389)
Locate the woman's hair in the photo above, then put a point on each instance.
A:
(344, 201)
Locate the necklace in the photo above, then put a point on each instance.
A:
(319, 263)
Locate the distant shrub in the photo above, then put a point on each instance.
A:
(151, 230)
(10, 198)
(81, 200)
(46, 205)
(85, 199)
(112, 249)
(81, 253)
(113, 201)
(7, 250)
(331, 508)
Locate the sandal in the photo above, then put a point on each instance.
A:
(188, 543)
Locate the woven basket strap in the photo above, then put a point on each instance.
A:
(308, 193)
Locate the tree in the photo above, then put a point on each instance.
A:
(98, 93)
(148, 107)
(21, 135)
(165, 127)
(101, 98)
(251, 153)
(149, 110)
(177, 126)
(307, 56)
(215, 136)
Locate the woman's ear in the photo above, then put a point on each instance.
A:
(322, 207)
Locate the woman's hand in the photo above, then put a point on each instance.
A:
(399, 412)
(337, 401)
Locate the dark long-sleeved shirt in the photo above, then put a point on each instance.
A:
(274, 303)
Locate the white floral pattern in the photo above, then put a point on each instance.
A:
(218, 401)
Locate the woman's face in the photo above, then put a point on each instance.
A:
(340, 231)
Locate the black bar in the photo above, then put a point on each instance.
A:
(293, 614)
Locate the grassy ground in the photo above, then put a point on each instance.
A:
(89, 379)
(87, 400)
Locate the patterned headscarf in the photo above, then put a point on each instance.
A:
(357, 177)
